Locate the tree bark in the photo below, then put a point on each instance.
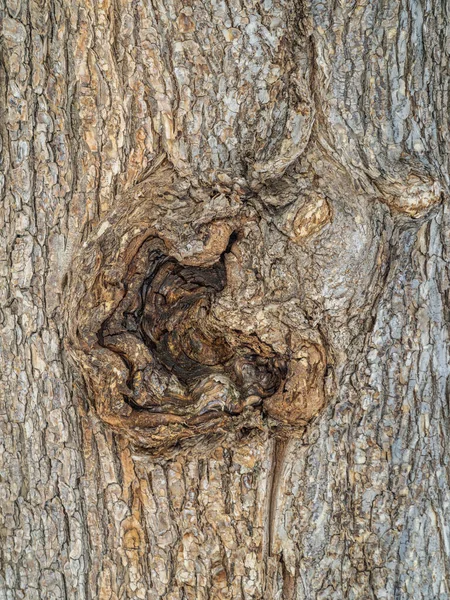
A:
(296, 154)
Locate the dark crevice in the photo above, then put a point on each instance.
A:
(213, 366)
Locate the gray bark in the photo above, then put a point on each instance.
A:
(317, 133)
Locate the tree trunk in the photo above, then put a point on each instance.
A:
(224, 300)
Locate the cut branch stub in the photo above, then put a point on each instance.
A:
(159, 365)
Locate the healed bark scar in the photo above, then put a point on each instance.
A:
(158, 364)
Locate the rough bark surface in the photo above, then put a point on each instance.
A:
(293, 158)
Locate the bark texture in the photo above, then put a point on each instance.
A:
(261, 187)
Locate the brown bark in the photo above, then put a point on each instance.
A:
(224, 300)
